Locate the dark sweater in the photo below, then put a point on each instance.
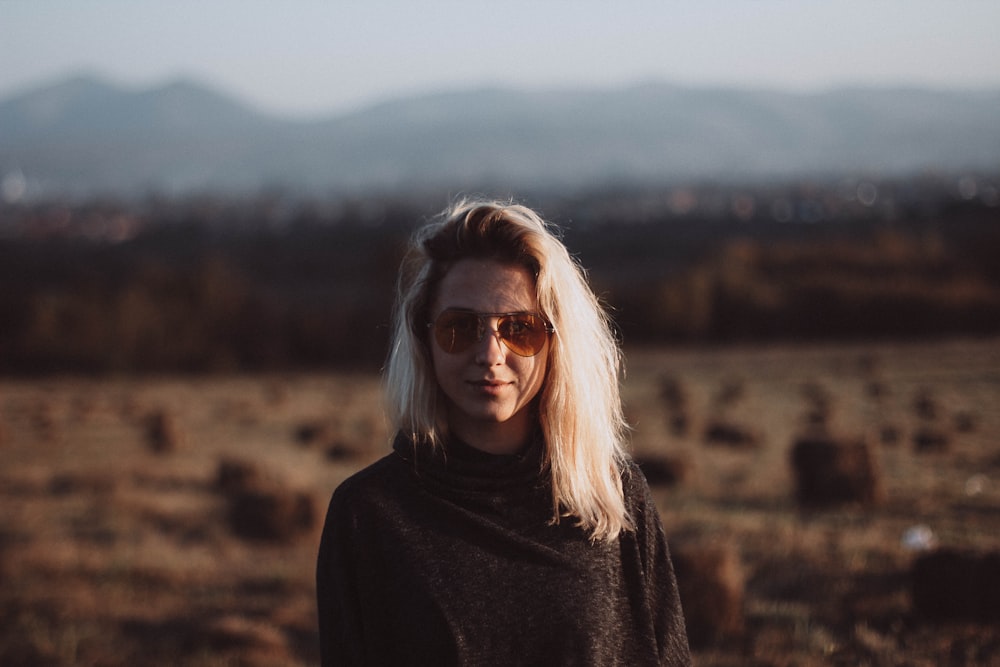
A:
(451, 559)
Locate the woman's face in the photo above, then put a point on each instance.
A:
(488, 387)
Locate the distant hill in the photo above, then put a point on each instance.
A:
(85, 136)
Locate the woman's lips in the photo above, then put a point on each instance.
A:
(489, 386)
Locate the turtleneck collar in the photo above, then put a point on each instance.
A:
(462, 468)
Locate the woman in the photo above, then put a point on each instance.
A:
(508, 526)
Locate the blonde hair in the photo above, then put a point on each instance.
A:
(579, 406)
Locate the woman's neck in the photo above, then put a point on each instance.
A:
(509, 437)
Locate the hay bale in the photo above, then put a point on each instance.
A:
(43, 420)
(730, 434)
(311, 432)
(342, 450)
(815, 393)
(965, 421)
(272, 514)
(675, 400)
(730, 392)
(889, 434)
(260, 506)
(234, 475)
(877, 389)
(817, 417)
(679, 423)
(66, 483)
(929, 440)
(925, 405)
(163, 435)
(661, 470)
(712, 589)
(957, 585)
(672, 393)
(831, 471)
(819, 404)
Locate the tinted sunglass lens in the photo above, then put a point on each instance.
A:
(523, 334)
(455, 332)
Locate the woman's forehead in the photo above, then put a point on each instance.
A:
(486, 285)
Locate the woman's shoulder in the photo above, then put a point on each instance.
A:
(634, 484)
(373, 479)
(638, 496)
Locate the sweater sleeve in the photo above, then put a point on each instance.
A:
(339, 609)
(661, 584)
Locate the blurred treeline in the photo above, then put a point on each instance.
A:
(275, 283)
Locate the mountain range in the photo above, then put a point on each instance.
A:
(86, 136)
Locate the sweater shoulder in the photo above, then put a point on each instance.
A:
(639, 501)
(370, 481)
(635, 488)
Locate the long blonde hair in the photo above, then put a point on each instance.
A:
(579, 407)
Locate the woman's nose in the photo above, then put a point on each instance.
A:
(490, 348)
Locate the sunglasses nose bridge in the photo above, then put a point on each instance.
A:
(483, 328)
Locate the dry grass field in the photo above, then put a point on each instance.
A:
(175, 521)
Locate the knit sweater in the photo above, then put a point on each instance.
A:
(432, 557)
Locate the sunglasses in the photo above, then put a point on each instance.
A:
(524, 334)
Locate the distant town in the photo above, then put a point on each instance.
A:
(846, 199)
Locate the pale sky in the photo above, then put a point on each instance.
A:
(312, 57)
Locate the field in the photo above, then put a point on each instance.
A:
(175, 520)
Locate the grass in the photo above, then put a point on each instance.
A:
(114, 554)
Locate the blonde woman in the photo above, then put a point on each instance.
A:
(508, 525)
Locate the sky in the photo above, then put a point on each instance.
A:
(316, 57)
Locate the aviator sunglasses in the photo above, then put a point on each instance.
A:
(524, 334)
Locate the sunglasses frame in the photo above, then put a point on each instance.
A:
(482, 328)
